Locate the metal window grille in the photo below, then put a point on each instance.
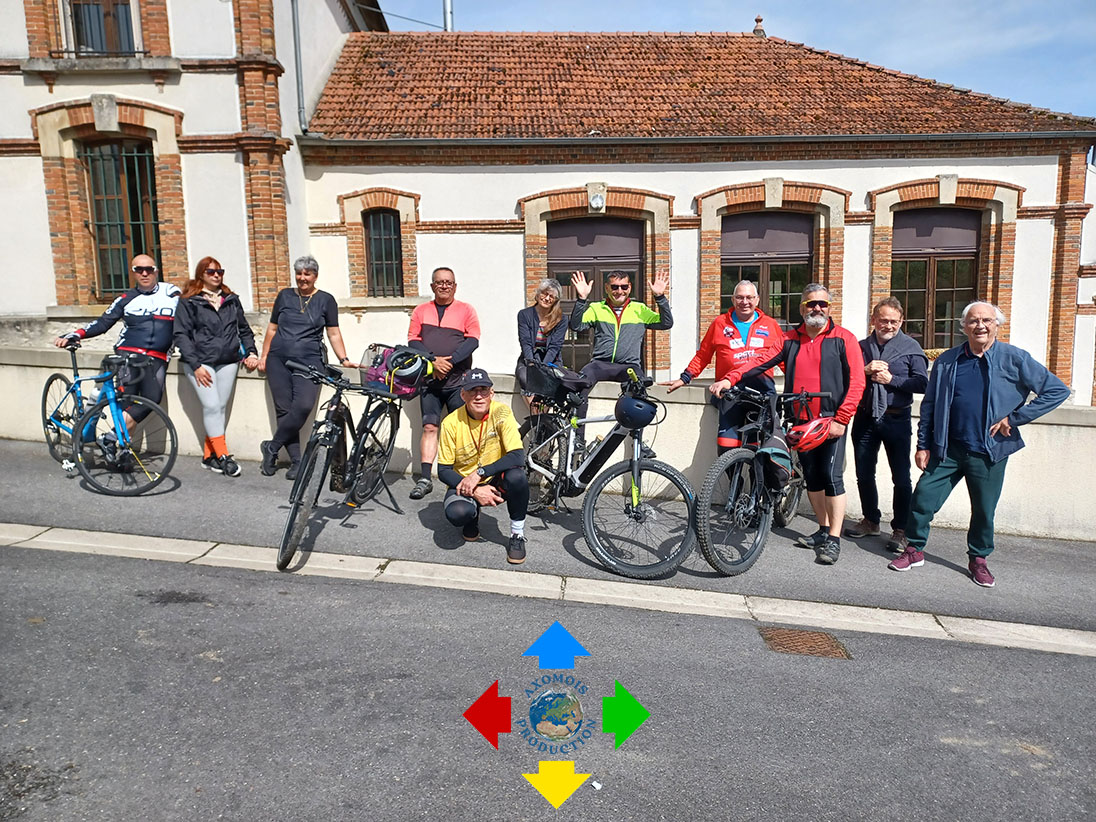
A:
(124, 223)
(384, 253)
(101, 27)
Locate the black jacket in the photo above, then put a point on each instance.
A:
(205, 336)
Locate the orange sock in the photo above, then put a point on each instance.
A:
(207, 449)
(218, 445)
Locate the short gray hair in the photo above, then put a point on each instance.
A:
(552, 285)
(741, 283)
(812, 287)
(306, 263)
(1000, 314)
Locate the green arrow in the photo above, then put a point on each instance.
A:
(621, 715)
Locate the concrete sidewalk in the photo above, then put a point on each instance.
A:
(1039, 582)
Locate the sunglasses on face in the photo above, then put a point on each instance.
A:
(816, 303)
(619, 287)
(218, 271)
(443, 284)
(144, 269)
(480, 391)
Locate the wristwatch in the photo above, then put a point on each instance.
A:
(481, 472)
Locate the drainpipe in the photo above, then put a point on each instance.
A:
(302, 121)
(447, 14)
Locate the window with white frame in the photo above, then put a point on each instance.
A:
(101, 27)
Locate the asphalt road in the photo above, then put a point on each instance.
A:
(136, 690)
(1039, 581)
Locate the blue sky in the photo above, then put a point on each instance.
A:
(1041, 53)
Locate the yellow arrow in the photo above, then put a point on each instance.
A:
(556, 781)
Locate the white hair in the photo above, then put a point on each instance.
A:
(1000, 314)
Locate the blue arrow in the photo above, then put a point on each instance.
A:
(556, 649)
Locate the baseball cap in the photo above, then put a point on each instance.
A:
(476, 378)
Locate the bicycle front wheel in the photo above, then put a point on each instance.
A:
(733, 515)
(124, 464)
(59, 415)
(788, 506)
(542, 450)
(374, 450)
(639, 524)
(306, 490)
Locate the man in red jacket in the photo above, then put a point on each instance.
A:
(818, 355)
(739, 339)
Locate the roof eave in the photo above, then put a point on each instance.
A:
(317, 139)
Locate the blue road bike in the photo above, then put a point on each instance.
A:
(86, 430)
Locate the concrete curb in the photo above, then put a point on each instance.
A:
(573, 589)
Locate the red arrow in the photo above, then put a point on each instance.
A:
(490, 714)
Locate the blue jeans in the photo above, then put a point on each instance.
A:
(894, 432)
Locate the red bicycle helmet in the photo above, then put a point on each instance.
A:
(806, 436)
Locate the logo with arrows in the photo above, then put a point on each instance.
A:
(556, 722)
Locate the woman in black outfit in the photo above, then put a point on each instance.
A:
(541, 329)
(297, 322)
(212, 335)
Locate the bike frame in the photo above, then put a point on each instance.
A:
(583, 474)
(108, 392)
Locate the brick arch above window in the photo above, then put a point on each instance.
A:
(351, 208)
(830, 204)
(58, 128)
(996, 200)
(652, 207)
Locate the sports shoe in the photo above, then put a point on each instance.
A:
(515, 551)
(421, 489)
(269, 458)
(293, 470)
(864, 528)
(897, 542)
(229, 467)
(979, 572)
(911, 558)
(212, 463)
(829, 552)
(813, 541)
(471, 531)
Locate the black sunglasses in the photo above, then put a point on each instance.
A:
(624, 287)
(220, 271)
(816, 303)
(144, 269)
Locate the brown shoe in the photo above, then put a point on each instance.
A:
(897, 542)
(864, 528)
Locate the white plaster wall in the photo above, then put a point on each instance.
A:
(330, 253)
(13, 30)
(1088, 225)
(26, 288)
(216, 218)
(210, 102)
(684, 281)
(488, 268)
(1084, 351)
(476, 193)
(856, 287)
(202, 28)
(1086, 290)
(1031, 287)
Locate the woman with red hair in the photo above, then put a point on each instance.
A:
(213, 336)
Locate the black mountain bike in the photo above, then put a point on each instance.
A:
(637, 515)
(736, 507)
(361, 476)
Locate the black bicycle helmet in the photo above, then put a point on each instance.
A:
(634, 412)
(408, 366)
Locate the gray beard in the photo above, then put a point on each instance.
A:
(815, 321)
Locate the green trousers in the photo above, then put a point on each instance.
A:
(984, 480)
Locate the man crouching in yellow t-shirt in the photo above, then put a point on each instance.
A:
(481, 459)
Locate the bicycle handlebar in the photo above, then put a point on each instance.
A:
(334, 377)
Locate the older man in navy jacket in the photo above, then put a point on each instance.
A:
(970, 419)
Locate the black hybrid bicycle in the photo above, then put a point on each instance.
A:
(361, 476)
(744, 493)
(637, 515)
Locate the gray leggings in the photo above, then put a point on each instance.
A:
(214, 398)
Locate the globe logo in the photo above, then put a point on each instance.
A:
(556, 715)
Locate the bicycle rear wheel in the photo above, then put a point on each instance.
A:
(733, 515)
(59, 415)
(641, 530)
(547, 453)
(306, 490)
(374, 450)
(109, 464)
(788, 506)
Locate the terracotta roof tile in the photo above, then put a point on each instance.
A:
(567, 85)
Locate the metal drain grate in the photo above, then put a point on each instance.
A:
(810, 643)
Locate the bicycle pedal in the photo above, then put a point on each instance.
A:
(69, 466)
